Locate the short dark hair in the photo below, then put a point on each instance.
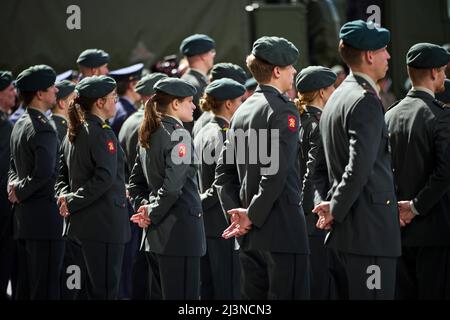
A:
(261, 70)
(350, 55)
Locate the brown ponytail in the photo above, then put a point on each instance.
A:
(209, 103)
(155, 108)
(305, 99)
(76, 112)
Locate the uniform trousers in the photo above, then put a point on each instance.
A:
(220, 270)
(274, 276)
(103, 265)
(39, 269)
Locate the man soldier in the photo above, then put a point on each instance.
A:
(66, 94)
(93, 62)
(419, 127)
(200, 53)
(263, 198)
(126, 79)
(361, 213)
(32, 175)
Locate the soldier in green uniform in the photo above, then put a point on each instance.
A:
(315, 85)
(199, 50)
(66, 93)
(32, 175)
(419, 128)
(219, 71)
(91, 186)
(263, 196)
(93, 62)
(7, 101)
(164, 189)
(361, 213)
(220, 266)
(128, 139)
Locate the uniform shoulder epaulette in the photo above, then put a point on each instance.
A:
(394, 104)
(440, 104)
(106, 126)
(42, 119)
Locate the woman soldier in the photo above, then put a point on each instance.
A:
(220, 266)
(315, 86)
(91, 186)
(164, 188)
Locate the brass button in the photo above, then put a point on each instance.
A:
(388, 202)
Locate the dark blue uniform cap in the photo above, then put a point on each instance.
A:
(175, 87)
(145, 85)
(95, 87)
(364, 36)
(93, 58)
(224, 89)
(196, 44)
(427, 56)
(228, 70)
(251, 84)
(314, 78)
(66, 75)
(444, 96)
(6, 79)
(65, 88)
(129, 73)
(35, 78)
(276, 51)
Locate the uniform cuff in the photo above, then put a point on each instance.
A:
(413, 208)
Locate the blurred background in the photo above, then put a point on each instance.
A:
(150, 31)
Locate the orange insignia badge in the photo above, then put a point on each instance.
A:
(182, 150)
(292, 123)
(111, 147)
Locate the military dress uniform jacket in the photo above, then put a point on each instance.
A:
(33, 171)
(5, 135)
(92, 178)
(128, 139)
(60, 124)
(272, 197)
(124, 109)
(419, 129)
(164, 177)
(311, 157)
(356, 145)
(207, 144)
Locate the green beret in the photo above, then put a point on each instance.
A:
(96, 86)
(6, 79)
(276, 51)
(251, 84)
(314, 78)
(35, 78)
(224, 89)
(175, 87)
(196, 44)
(228, 70)
(444, 96)
(145, 85)
(128, 73)
(427, 56)
(65, 88)
(364, 35)
(93, 58)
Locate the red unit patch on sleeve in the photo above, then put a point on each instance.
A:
(111, 147)
(182, 150)
(292, 123)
